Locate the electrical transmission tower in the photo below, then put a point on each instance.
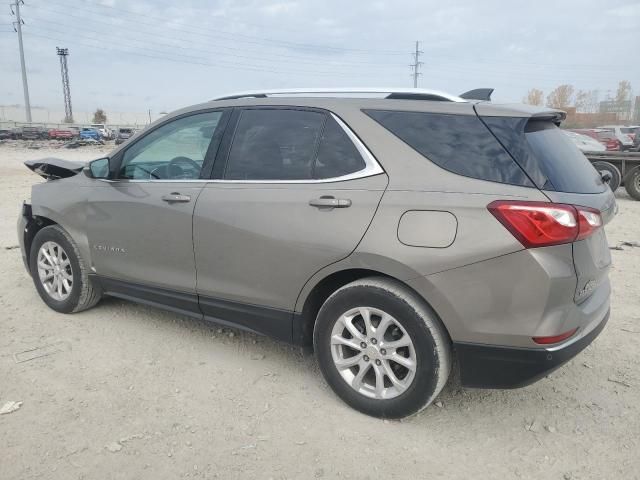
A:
(17, 26)
(64, 71)
(416, 64)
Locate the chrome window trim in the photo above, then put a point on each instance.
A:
(372, 167)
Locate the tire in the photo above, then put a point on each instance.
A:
(632, 183)
(411, 320)
(81, 292)
(616, 176)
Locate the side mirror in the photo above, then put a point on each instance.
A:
(99, 168)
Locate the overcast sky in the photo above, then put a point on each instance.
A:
(134, 55)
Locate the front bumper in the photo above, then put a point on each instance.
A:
(24, 225)
(487, 366)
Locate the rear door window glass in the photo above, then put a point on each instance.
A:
(337, 155)
(275, 144)
(458, 143)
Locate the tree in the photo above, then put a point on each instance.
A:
(582, 101)
(99, 116)
(624, 92)
(534, 97)
(561, 97)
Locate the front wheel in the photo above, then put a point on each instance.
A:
(59, 273)
(381, 348)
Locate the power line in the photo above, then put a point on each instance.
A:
(18, 26)
(191, 48)
(416, 64)
(235, 36)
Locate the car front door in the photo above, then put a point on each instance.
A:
(140, 220)
(296, 192)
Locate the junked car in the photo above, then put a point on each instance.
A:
(389, 230)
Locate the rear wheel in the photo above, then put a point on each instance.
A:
(632, 183)
(381, 349)
(59, 273)
(616, 176)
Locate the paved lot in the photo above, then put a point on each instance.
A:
(125, 391)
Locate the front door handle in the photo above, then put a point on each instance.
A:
(175, 197)
(327, 201)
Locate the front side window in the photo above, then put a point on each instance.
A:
(174, 151)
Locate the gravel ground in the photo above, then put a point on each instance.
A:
(132, 392)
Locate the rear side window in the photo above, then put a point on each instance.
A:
(337, 155)
(275, 144)
(281, 144)
(458, 143)
(549, 157)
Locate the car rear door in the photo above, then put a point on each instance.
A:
(140, 222)
(294, 190)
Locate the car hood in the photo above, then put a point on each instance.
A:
(54, 168)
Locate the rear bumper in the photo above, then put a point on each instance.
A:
(487, 366)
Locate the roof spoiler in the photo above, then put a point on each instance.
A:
(478, 94)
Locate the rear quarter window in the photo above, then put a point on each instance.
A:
(461, 144)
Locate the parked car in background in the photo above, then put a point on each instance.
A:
(5, 134)
(60, 134)
(105, 132)
(88, 132)
(123, 134)
(584, 142)
(346, 224)
(34, 133)
(606, 137)
(626, 141)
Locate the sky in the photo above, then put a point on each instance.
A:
(163, 55)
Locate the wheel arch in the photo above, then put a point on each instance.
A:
(315, 294)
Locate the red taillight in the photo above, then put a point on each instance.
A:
(541, 224)
(554, 338)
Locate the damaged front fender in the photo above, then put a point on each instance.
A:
(55, 168)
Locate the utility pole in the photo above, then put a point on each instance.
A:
(18, 28)
(66, 90)
(416, 64)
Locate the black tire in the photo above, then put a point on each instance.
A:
(632, 183)
(616, 176)
(431, 342)
(84, 293)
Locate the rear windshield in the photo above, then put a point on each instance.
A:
(550, 158)
(458, 143)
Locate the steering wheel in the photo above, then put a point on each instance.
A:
(175, 167)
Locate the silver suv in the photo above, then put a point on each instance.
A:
(392, 234)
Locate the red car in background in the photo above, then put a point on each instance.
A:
(606, 137)
(61, 134)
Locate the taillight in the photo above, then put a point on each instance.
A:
(541, 224)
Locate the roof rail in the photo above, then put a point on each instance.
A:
(390, 93)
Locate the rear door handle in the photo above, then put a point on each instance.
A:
(330, 202)
(175, 197)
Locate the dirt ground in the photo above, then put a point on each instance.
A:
(126, 391)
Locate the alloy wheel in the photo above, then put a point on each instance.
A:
(54, 271)
(373, 353)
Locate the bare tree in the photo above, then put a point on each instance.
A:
(561, 97)
(99, 116)
(582, 101)
(534, 97)
(623, 94)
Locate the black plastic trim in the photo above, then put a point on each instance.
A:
(487, 366)
(267, 321)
